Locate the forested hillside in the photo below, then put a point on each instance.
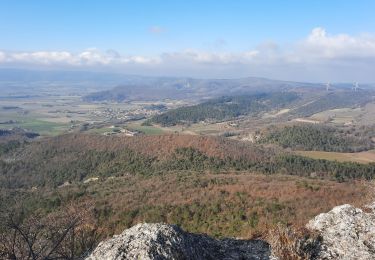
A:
(74, 158)
(225, 108)
(318, 138)
(12, 139)
(205, 184)
(333, 100)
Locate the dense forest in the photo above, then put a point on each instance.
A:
(53, 165)
(13, 139)
(101, 185)
(225, 108)
(220, 204)
(229, 107)
(319, 138)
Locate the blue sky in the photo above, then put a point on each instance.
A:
(171, 32)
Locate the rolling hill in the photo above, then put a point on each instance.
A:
(226, 108)
(319, 138)
(205, 184)
(72, 158)
(192, 89)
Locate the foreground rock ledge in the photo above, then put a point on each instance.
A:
(347, 233)
(161, 241)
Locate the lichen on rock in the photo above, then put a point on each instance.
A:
(162, 241)
(347, 233)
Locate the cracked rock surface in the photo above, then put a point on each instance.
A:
(162, 241)
(347, 233)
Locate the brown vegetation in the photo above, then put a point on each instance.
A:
(222, 201)
(161, 146)
(241, 205)
(293, 244)
(70, 233)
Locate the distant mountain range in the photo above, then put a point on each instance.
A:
(192, 89)
(121, 87)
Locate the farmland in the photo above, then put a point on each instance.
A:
(56, 114)
(360, 157)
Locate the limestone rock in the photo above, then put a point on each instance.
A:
(346, 232)
(162, 241)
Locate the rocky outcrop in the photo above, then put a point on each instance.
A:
(162, 241)
(346, 233)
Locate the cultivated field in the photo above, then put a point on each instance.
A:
(361, 157)
(53, 115)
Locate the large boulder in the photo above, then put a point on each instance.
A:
(162, 241)
(346, 233)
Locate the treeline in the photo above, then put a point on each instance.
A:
(340, 171)
(55, 167)
(225, 108)
(14, 138)
(317, 138)
(9, 146)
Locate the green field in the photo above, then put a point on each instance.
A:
(148, 130)
(102, 130)
(39, 126)
(196, 129)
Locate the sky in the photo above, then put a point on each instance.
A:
(316, 40)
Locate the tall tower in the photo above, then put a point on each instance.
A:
(355, 86)
(328, 86)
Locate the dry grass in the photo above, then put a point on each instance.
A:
(293, 244)
(360, 157)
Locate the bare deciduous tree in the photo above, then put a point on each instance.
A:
(69, 234)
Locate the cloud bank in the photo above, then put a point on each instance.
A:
(318, 57)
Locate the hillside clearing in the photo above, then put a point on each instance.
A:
(361, 157)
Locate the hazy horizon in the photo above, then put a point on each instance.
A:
(292, 40)
(99, 73)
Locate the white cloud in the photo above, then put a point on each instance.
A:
(319, 56)
(317, 47)
(209, 58)
(319, 44)
(2, 56)
(94, 57)
(42, 57)
(89, 57)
